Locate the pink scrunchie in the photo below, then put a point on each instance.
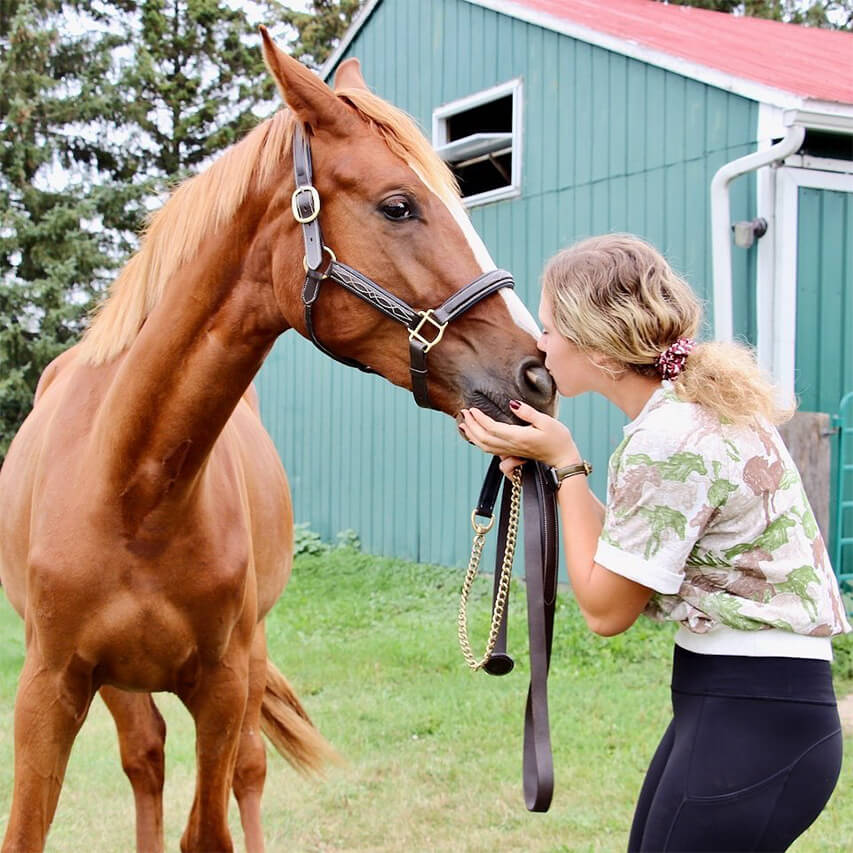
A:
(671, 361)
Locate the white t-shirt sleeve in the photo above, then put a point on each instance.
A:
(656, 509)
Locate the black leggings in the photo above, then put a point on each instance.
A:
(749, 760)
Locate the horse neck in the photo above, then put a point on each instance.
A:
(185, 373)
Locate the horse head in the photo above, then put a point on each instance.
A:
(394, 232)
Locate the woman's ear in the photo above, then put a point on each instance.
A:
(613, 368)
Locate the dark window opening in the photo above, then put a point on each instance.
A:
(825, 143)
(482, 175)
(493, 117)
(480, 146)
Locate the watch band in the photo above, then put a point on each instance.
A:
(557, 475)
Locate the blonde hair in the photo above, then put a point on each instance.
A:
(615, 295)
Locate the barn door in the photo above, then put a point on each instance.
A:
(823, 343)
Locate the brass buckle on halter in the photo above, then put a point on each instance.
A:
(315, 204)
(426, 316)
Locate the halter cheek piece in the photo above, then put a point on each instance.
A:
(426, 328)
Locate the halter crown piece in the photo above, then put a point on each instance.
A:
(671, 361)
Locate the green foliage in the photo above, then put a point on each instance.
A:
(319, 29)
(842, 663)
(307, 542)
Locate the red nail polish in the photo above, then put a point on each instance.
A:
(514, 404)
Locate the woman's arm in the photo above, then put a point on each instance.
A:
(609, 602)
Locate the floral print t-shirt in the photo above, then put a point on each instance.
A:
(713, 517)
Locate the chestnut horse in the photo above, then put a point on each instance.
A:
(145, 519)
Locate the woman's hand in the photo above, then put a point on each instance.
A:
(545, 439)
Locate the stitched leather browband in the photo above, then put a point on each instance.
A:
(425, 327)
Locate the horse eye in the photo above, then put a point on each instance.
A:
(397, 209)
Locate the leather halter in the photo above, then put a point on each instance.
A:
(426, 328)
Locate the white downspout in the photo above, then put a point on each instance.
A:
(721, 239)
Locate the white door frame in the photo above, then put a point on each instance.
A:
(778, 301)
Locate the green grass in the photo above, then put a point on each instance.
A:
(433, 752)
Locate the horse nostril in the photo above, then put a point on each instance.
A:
(536, 383)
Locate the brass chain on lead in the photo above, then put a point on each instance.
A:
(480, 531)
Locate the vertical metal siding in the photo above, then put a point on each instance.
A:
(609, 143)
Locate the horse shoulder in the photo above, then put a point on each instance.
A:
(52, 371)
(268, 503)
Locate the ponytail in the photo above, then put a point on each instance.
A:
(617, 296)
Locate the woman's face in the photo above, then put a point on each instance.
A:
(572, 369)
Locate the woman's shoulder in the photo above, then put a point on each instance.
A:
(671, 428)
(670, 422)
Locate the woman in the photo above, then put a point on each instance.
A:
(706, 524)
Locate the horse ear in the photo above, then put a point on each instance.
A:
(348, 75)
(302, 90)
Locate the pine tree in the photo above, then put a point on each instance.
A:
(320, 29)
(197, 80)
(94, 127)
(52, 251)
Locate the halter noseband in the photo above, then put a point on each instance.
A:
(426, 328)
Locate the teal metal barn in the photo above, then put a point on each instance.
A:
(565, 119)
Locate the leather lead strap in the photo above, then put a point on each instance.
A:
(540, 554)
(491, 486)
(500, 663)
(540, 557)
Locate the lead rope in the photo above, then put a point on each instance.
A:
(540, 557)
(480, 531)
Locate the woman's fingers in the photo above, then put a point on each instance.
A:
(479, 430)
(543, 438)
(509, 464)
(493, 436)
(526, 413)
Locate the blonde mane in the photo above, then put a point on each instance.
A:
(202, 204)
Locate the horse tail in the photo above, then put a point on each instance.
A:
(290, 730)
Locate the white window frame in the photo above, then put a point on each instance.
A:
(439, 134)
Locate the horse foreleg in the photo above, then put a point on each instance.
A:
(49, 709)
(217, 702)
(251, 768)
(141, 738)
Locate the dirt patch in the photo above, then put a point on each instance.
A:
(845, 710)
